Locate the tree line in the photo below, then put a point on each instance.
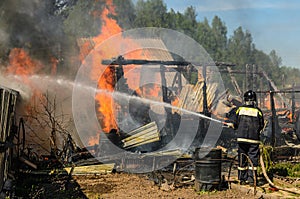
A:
(213, 36)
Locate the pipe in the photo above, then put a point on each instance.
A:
(28, 162)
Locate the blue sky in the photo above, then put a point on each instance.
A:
(273, 24)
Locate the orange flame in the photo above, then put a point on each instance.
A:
(21, 64)
(104, 75)
(94, 140)
(107, 80)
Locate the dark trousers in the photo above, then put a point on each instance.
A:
(245, 170)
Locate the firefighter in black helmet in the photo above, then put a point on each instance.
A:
(249, 121)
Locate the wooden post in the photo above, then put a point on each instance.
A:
(164, 84)
(248, 78)
(293, 103)
(254, 77)
(205, 107)
(273, 140)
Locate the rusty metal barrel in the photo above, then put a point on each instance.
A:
(207, 169)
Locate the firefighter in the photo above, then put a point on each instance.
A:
(248, 121)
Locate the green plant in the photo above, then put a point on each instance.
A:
(286, 169)
(266, 152)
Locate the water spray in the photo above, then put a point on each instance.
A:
(114, 94)
(149, 101)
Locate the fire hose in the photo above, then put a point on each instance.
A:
(263, 168)
(261, 163)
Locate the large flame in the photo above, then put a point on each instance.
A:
(103, 74)
(21, 64)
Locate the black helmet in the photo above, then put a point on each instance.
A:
(250, 96)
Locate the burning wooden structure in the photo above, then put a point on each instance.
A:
(8, 130)
(174, 89)
(280, 106)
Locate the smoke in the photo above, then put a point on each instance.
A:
(34, 26)
(3, 37)
(10, 82)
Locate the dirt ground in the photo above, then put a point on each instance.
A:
(125, 185)
(112, 185)
(139, 186)
(158, 184)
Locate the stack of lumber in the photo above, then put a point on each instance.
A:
(143, 135)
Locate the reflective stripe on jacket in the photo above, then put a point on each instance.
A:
(249, 122)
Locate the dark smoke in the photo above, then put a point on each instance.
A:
(37, 26)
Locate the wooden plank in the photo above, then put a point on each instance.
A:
(141, 139)
(91, 169)
(176, 153)
(145, 141)
(142, 128)
(142, 135)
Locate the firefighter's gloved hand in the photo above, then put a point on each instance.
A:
(230, 125)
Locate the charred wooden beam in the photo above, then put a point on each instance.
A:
(273, 115)
(273, 87)
(205, 106)
(248, 78)
(254, 77)
(293, 105)
(121, 61)
(234, 82)
(164, 84)
(278, 91)
(238, 72)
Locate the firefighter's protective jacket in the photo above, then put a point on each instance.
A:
(249, 122)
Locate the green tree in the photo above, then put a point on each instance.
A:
(219, 31)
(261, 58)
(189, 22)
(125, 13)
(240, 47)
(276, 61)
(172, 21)
(150, 13)
(273, 68)
(204, 36)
